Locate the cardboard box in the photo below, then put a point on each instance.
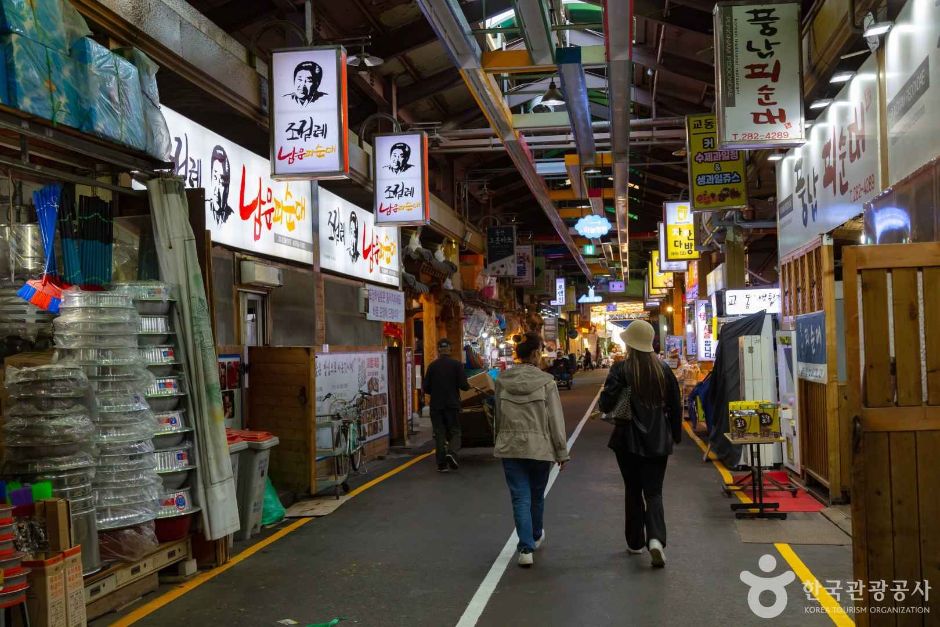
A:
(481, 380)
(74, 588)
(45, 598)
(55, 516)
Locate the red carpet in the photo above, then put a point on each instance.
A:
(802, 502)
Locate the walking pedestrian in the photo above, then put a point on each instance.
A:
(442, 382)
(588, 363)
(644, 442)
(530, 438)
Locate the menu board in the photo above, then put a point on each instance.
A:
(356, 384)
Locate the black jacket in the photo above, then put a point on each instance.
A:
(443, 381)
(654, 428)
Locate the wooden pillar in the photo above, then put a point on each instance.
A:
(735, 261)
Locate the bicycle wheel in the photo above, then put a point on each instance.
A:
(355, 447)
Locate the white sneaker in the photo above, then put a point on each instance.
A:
(526, 559)
(657, 553)
(541, 539)
(634, 551)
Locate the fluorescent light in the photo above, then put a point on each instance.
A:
(592, 171)
(878, 29)
(842, 77)
(777, 156)
(822, 103)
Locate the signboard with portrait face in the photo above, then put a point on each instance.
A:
(824, 183)
(759, 74)
(245, 208)
(717, 177)
(309, 122)
(351, 243)
(400, 163)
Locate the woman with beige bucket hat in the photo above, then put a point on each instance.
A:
(644, 442)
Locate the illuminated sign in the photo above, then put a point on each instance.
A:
(400, 167)
(351, 243)
(559, 293)
(664, 265)
(717, 178)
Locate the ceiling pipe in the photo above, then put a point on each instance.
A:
(596, 125)
(618, 28)
(574, 84)
(450, 25)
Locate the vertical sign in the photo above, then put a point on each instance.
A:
(664, 264)
(759, 75)
(400, 163)
(550, 329)
(716, 177)
(409, 383)
(680, 232)
(525, 267)
(704, 331)
(309, 122)
(811, 347)
(659, 280)
(501, 251)
(825, 182)
(560, 293)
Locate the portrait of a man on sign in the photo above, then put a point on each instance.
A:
(398, 158)
(307, 78)
(219, 180)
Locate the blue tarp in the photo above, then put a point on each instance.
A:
(42, 81)
(39, 20)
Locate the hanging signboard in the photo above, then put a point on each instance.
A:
(745, 302)
(344, 378)
(704, 331)
(351, 244)
(674, 345)
(400, 169)
(386, 305)
(409, 383)
(309, 123)
(824, 183)
(717, 178)
(550, 329)
(691, 282)
(658, 280)
(664, 265)
(245, 208)
(680, 233)
(759, 75)
(560, 293)
(912, 88)
(811, 347)
(616, 287)
(525, 270)
(501, 251)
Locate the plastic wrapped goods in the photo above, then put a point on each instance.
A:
(74, 24)
(159, 143)
(42, 81)
(39, 20)
(114, 101)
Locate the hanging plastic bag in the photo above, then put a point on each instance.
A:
(273, 512)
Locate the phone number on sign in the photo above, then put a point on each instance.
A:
(755, 136)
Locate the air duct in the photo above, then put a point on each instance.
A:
(618, 27)
(579, 110)
(532, 17)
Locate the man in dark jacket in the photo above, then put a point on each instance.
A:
(442, 382)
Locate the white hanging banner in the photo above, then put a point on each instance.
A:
(400, 166)
(245, 208)
(351, 244)
(745, 302)
(824, 183)
(758, 69)
(309, 124)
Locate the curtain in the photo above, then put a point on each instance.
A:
(179, 265)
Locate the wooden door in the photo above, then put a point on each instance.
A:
(892, 305)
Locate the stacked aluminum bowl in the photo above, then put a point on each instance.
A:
(49, 436)
(97, 332)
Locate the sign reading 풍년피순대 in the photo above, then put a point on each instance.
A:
(759, 75)
(245, 208)
(401, 179)
(351, 243)
(826, 182)
(342, 378)
(309, 122)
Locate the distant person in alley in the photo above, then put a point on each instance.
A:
(530, 439)
(442, 382)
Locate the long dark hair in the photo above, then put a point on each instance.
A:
(644, 374)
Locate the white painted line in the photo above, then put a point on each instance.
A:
(482, 596)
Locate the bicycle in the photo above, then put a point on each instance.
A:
(348, 439)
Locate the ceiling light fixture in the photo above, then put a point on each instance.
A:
(777, 156)
(877, 29)
(363, 60)
(822, 103)
(553, 97)
(592, 171)
(842, 77)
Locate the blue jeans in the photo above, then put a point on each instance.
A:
(527, 479)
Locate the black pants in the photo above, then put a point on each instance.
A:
(643, 480)
(446, 425)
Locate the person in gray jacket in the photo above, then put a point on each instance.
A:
(530, 439)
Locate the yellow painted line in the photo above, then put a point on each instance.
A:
(726, 475)
(833, 609)
(171, 595)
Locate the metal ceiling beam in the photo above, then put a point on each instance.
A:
(574, 84)
(449, 23)
(532, 17)
(618, 28)
(429, 86)
(520, 61)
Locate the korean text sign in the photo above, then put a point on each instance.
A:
(664, 264)
(245, 208)
(309, 122)
(826, 182)
(658, 280)
(680, 232)
(501, 251)
(704, 331)
(386, 305)
(343, 378)
(811, 360)
(759, 74)
(525, 268)
(717, 177)
(401, 179)
(351, 243)
(744, 302)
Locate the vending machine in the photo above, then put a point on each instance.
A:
(789, 399)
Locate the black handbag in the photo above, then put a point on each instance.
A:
(622, 412)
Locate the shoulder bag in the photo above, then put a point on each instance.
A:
(623, 411)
